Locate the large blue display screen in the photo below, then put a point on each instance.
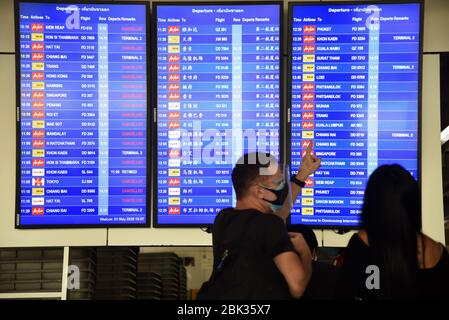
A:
(82, 114)
(355, 97)
(218, 96)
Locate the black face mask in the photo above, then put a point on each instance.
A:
(281, 196)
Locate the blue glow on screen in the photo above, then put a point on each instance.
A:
(355, 91)
(218, 87)
(83, 111)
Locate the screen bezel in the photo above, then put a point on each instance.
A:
(282, 108)
(289, 84)
(18, 118)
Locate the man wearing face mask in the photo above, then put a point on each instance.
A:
(254, 255)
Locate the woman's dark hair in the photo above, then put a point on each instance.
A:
(391, 216)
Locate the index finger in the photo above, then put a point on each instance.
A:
(314, 158)
(309, 149)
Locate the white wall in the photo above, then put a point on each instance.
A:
(436, 39)
(432, 182)
(436, 25)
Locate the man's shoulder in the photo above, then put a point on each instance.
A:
(254, 215)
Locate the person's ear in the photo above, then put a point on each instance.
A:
(257, 191)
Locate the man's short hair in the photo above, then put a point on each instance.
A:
(249, 168)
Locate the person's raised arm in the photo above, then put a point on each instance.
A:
(309, 164)
(296, 267)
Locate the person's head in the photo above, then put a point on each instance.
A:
(391, 216)
(308, 235)
(259, 181)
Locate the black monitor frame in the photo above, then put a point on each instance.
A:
(289, 81)
(18, 117)
(282, 115)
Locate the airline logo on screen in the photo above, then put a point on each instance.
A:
(38, 85)
(308, 106)
(37, 76)
(307, 192)
(309, 77)
(306, 143)
(307, 211)
(308, 96)
(308, 115)
(309, 29)
(174, 96)
(174, 87)
(37, 95)
(308, 125)
(309, 68)
(37, 201)
(176, 144)
(38, 172)
(38, 123)
(308, 58)
(37, 27)
(307, 134)
(38, 133)
(38, 182)
(174, 58)
(37, 66)
(38, 192)
(174, 134)
(38, 153)
(173, 68)
(37, 162)
(174, 210)
(173, 39)
(309, 39)
(174, 105)
(37, 46)
(174, 191)
(39, 56)
(174, 115)
(174, 49)
(309, 182)
(175, 201)
(308, 87)
(174, 29)
(174, 172)
(309, 49)
(37, 211)
(38, 114)
(173, 182)
(37, 37)
(174, 125)
(37, 105)
(38, 143)
(174, 77)
(174, 153)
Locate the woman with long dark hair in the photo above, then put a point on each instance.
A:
(390, 257)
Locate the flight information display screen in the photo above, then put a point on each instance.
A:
(218, 96)
(82, 114)
(355, 96)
